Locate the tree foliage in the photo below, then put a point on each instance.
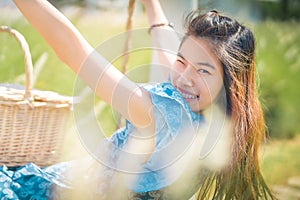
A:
(59, 3)
(280, 9)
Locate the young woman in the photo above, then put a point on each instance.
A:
(154, 155)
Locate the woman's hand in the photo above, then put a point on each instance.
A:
(154, 12)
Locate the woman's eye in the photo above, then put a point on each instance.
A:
(180, 61)
(203, 71)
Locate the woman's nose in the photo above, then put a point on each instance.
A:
(186, 76)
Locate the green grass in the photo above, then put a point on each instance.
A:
(55, 76)
(280, 160)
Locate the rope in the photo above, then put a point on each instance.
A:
(126, 48)
(128, 35)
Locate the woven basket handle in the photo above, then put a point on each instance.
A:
(27, 58)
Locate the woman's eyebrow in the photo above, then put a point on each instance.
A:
(206, 64)
(198, 63)
(180, 55)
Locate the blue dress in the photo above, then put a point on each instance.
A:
(175, 126)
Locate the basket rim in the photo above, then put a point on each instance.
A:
(13, 94)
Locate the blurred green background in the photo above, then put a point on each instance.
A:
(277, 30)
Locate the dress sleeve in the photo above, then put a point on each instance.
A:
(174, 132)
(172, 113)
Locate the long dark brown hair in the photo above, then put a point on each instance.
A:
(234, 45)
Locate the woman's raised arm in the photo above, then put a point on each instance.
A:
(163, 36)
(110, 84)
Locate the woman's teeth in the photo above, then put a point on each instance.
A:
(188, 96)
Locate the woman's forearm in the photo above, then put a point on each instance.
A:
(57, 30)
(164, 38)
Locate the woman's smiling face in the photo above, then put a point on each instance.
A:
(197, 73)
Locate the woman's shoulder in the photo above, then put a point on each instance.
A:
(170, 110)
(161, 92)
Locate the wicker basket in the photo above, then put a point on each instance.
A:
(32, 123)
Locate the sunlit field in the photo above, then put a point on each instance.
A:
(278, 64)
